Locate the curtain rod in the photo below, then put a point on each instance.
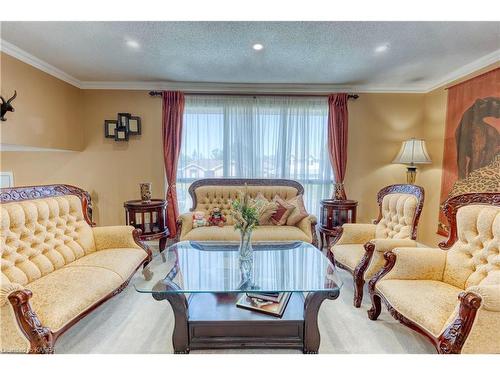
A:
(159, 93)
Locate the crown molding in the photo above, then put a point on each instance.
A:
(34, 61)
(467, 69)
(248, 88)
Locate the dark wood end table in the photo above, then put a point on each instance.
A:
(150, 217)
(335, 213)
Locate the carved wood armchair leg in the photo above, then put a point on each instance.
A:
(453, 338)
(374, 311)
(359, 273)
(358, 290)
(40, 337)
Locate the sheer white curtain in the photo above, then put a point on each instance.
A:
(256, 137)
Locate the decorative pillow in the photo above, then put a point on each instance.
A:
(299, 212)
(268, 209)
(199, 219)
(283, 210)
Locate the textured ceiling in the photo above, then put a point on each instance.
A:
(336, 53)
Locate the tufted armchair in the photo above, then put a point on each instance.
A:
(361, 247)
(452, 297)
(56, 267)
(219, 192)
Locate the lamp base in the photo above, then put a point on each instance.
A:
(411, 174)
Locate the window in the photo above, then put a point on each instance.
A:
(256, 137)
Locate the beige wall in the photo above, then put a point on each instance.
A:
(111, 171)
(48, 111)
(378, 123)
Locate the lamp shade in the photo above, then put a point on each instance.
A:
(413, 151)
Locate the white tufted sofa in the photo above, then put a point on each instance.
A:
(360, 249)
(219, 192)
(55, 267)
(453, 296)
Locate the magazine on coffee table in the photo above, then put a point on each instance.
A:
(264, 306)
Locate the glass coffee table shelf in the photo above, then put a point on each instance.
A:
(203, 280)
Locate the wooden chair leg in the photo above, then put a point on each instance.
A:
(358, 290)
(359, 273)
(376, 308)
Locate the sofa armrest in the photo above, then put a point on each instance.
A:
(120, 236)
(469, 328)
(305, 224)
(490, 296)
(184, 224)
(383, 245)
(308, 226)
(356, 233)
(417, 263)
(22, 331)
(6, 290)
(374, 260)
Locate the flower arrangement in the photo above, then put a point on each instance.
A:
(246, 212)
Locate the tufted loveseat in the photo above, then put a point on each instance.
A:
(218, 192)
(55, 267)
(451, 296)
(360, 249)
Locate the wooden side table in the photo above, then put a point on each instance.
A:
(335, 213)
(150, 217)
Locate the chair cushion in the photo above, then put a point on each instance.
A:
(63, 294)
(398, 214)
(348, 254)
(122, 261)
(261, 233)
(428, 303)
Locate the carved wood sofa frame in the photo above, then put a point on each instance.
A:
(241, 182)
(453, 337)
(359, 272)
(42, 339)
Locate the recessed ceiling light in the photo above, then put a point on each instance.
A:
(257, 46)
(133, 43)
(382, 48)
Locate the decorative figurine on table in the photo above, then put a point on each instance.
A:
(199, 219)
(216, 217)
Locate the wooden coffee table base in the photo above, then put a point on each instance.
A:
(212, 321)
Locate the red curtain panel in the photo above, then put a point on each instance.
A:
(337, 140)
(173, 110)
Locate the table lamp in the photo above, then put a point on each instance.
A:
(413, 151)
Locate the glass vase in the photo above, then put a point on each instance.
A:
(246, 259)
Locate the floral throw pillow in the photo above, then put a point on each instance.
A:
(299, 212)
(283, 211)
(261, 201)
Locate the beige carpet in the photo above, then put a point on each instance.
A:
(135, 323)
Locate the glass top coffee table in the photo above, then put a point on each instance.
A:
(203, 281)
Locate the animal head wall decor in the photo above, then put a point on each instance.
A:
(6, 106)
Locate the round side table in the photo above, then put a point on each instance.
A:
(150, 217)
(335, 213)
